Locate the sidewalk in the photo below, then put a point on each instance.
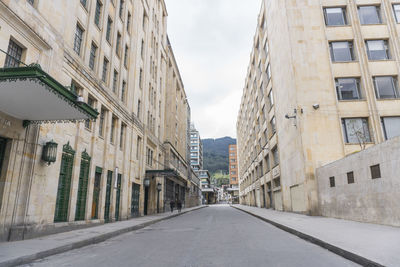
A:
(25, 251)
(364, 243)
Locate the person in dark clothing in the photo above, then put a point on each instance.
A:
(179, 205)
(172, 205)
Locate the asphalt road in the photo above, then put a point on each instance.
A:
(215, 236)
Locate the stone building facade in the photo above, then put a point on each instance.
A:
(112, 55)
(322, 83)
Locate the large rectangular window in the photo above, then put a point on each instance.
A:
(348, 88)
(377, 49)
(271, 99)
(113, 126)
(396, 10)
(123, 91)
(335, 16)
(341, 51)
(356, 130)
(101, 121)
(92, 58)
(391, 127)
(105, 70)
(108, 32)
(275, 155)
(386, 87)
(83, 2)
(115, 81)
(97, 14)
(14, 55)
(78, 39)
(369, 14)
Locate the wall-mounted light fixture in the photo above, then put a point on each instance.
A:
(146, 182)
(49, 153)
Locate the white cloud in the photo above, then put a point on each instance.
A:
(212, 41)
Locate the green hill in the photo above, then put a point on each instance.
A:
(215, 154)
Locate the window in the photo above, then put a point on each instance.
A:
(92, 58)
(341, 51)
(268, 72)
(31, 2)
(108, 32)
(277, 182)
(105, 70)
(118, 45)
(115, 81)
(369, 14)
(149, 157)
(267, 164)
(391, 127)
(375, 171)
(396, 10)
(386, 87)
(98, 13)
(83, 2)
(275, 155)
(335, 16)
(88, 123)
(141, 78)
(377, 49)
(142, 49)
(138, 109)
(123, 91)
(271, 99)
(348, 88)
(273, 125)
(78, 39)
(126, 56)
(128, 23)
(121, 8)
(138, 147)
(356, 130)
(122, 136)
(332, 181)
(14, 55)
(101, 123)
(350, 177)
(113, 125)
(266, 49)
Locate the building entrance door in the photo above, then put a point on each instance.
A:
(108, 197)
(135, 200)
(263, 196)
(64, 184)
(118, 197)
(96, 195)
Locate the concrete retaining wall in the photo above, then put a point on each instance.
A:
(367, 199)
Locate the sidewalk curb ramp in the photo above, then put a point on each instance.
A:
(90, 241)
(337, 250)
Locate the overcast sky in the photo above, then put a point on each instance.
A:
(212, 41)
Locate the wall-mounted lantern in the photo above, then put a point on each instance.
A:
(49, 154)
(159, 187)
(146, 182)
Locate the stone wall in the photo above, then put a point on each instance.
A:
(366, 200)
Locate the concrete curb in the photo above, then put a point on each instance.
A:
(339, 251)
(90, 241)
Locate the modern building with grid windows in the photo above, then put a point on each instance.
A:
(322, 83)
(196, 149)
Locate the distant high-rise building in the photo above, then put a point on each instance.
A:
(233, 169)
(196, 149)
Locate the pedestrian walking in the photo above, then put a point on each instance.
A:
(179, 205)
(172, 205)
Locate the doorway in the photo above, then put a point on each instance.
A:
(135, 200)
(263, 196)
(64, 184)
(118, 197)
(108, 197)
(146, 199)
(3, 143)
(96, 195)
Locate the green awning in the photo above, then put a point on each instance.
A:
(30, 94)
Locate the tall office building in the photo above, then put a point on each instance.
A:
(196, 149)
(233, 169)
(322, 83)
